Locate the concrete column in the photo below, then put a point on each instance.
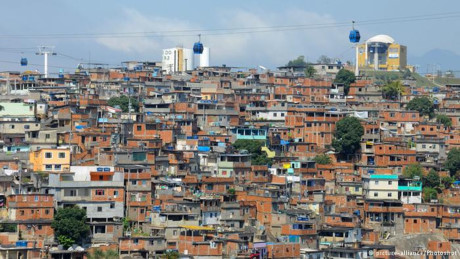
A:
(376, 58)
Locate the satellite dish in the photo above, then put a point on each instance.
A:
(262, 67)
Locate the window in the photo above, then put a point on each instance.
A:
(48, 167)
(61, 155)
(209, 187)
(47, 212)
(133, 182)
(47, 136)
(376, 194)
(144, 182)
(36, 198)
(389, 194)
(70, 193)
(115, 193)
(139, 128)
(99, 192)
(112, 205)
(136, 241)
(48, 155)
(390, 182)
(99, 209)
(376, 182)
(57, 167)
(274, 114)
(21, 212)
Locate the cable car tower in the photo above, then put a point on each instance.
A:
(354, 38)
(45, 51)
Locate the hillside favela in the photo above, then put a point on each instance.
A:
(185, 140)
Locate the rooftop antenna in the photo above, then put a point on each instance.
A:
(45, 51)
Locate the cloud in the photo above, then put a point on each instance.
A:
(270, 49)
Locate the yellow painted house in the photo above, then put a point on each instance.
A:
(50, 159)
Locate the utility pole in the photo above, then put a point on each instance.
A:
(45, 51)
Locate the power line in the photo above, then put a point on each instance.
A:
(242, 30)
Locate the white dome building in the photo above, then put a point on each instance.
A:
(381, 52)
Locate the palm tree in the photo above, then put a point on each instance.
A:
(393, 90)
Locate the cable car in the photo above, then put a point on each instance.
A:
(198, 46)
(354, 35)
(24, 62)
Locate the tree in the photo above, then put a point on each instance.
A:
(413, 170)
(70, 226)
(254, 147)
(323, 59)
(392, 90)
(123, 103)
(432, 179)
(447, 181)
(310, 71)
(346, 78)
(298, 62)
(347, 135)
(453, 161)
(171, 255)
(323, 159)
(444, 119)
(407, 74)
(423, 105)
(99, 254)
(429, 194)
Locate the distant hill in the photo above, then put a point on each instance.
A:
(446, 59)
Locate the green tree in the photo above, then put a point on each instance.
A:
(413, 170)
(347, 135)
(429, 194)
(123, 103)
(452, 163)
(99, 254)
(392, 90)
(447, 181)
(310, 71)
(407, 74)
(323, 159)
(8, 227)
(70, 226)
(298, 62)
(432, 179)
(323, 59)
(346, 78)
(171, 255)
(444, 119)
(423, 105)
(254, 147)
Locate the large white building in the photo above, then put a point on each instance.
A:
(177, 60)
(182, 59)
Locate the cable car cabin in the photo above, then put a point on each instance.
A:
(354, 36)
(198, 48)
(24, 62)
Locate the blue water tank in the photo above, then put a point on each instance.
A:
(24, 62)
(21, 243)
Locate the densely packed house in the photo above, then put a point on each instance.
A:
(222, 163)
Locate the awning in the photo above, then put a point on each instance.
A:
(197, 228)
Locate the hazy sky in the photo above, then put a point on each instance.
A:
(269, 49)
